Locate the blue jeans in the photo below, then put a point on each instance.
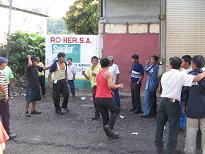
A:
(116, 97)
(149, 102)
(72, 86)
(182, 117)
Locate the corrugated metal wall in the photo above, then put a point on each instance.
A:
(185, 27)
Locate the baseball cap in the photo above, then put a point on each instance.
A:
(110, 58)
(6, 60)
(2, 60)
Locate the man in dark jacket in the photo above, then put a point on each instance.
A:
(194, 97)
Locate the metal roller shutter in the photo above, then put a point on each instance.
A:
(185, 27)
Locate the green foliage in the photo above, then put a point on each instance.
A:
(21, 45)
(83, 16)
(56, 26)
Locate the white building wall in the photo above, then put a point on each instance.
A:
(22, 21)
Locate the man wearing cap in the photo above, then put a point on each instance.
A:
(4, 104)
(114, 69)
(33, 89)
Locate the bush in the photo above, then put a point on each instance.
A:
(21, 45)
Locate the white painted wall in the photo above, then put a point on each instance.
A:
(21, 21)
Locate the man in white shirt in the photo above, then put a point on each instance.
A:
(71, 72)
(114, 69)
(172, 82)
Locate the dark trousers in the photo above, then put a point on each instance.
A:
(116, 97)
(97, 113)
(60, 88)
(5, 116)
(154, 100)
(135, 93)
(72, 87)
(105, 105)
(42, 83)
(168, 111)
(9, 89)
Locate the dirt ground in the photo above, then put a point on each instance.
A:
(75, 133)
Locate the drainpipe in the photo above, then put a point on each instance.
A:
(162, 18)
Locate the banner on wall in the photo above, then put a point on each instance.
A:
(78, 47)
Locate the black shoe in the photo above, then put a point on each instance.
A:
(65, 109)
(159, 149)
(115, 136)
(95, 118)
(108, 131)
(133, 109)
(35, 112)
(12, 136)
(145, 116)
(137, 112)
(59, 112)
(27, 114)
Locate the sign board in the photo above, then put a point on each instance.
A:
(78, 47)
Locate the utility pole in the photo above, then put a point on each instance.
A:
(9, 29)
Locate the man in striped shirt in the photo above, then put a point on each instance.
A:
(4, 100)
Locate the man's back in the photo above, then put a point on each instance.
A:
(196, 99)
(172, 82)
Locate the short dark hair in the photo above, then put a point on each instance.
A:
(70, 59)
(104, 62)
(61, 54)
(135, 57)
(94, 57)
(175, 62)
(199, 61)
(187, 59)
(33, 58)
(155, 57)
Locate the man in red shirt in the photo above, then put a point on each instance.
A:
(104, 99)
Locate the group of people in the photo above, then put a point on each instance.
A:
(182, 97)
(182, 88)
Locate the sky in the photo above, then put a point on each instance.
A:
(56, 8)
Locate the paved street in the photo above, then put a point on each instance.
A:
(75, 133)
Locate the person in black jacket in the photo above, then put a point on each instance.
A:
(194, 98)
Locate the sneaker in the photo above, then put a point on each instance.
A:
(95, 118)
(35, 112)
(27, 114)
(59, 112)
(65, 109)
(12, 136)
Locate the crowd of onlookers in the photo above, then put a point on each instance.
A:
(182, 100)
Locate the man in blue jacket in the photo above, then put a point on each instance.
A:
(195, 107)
